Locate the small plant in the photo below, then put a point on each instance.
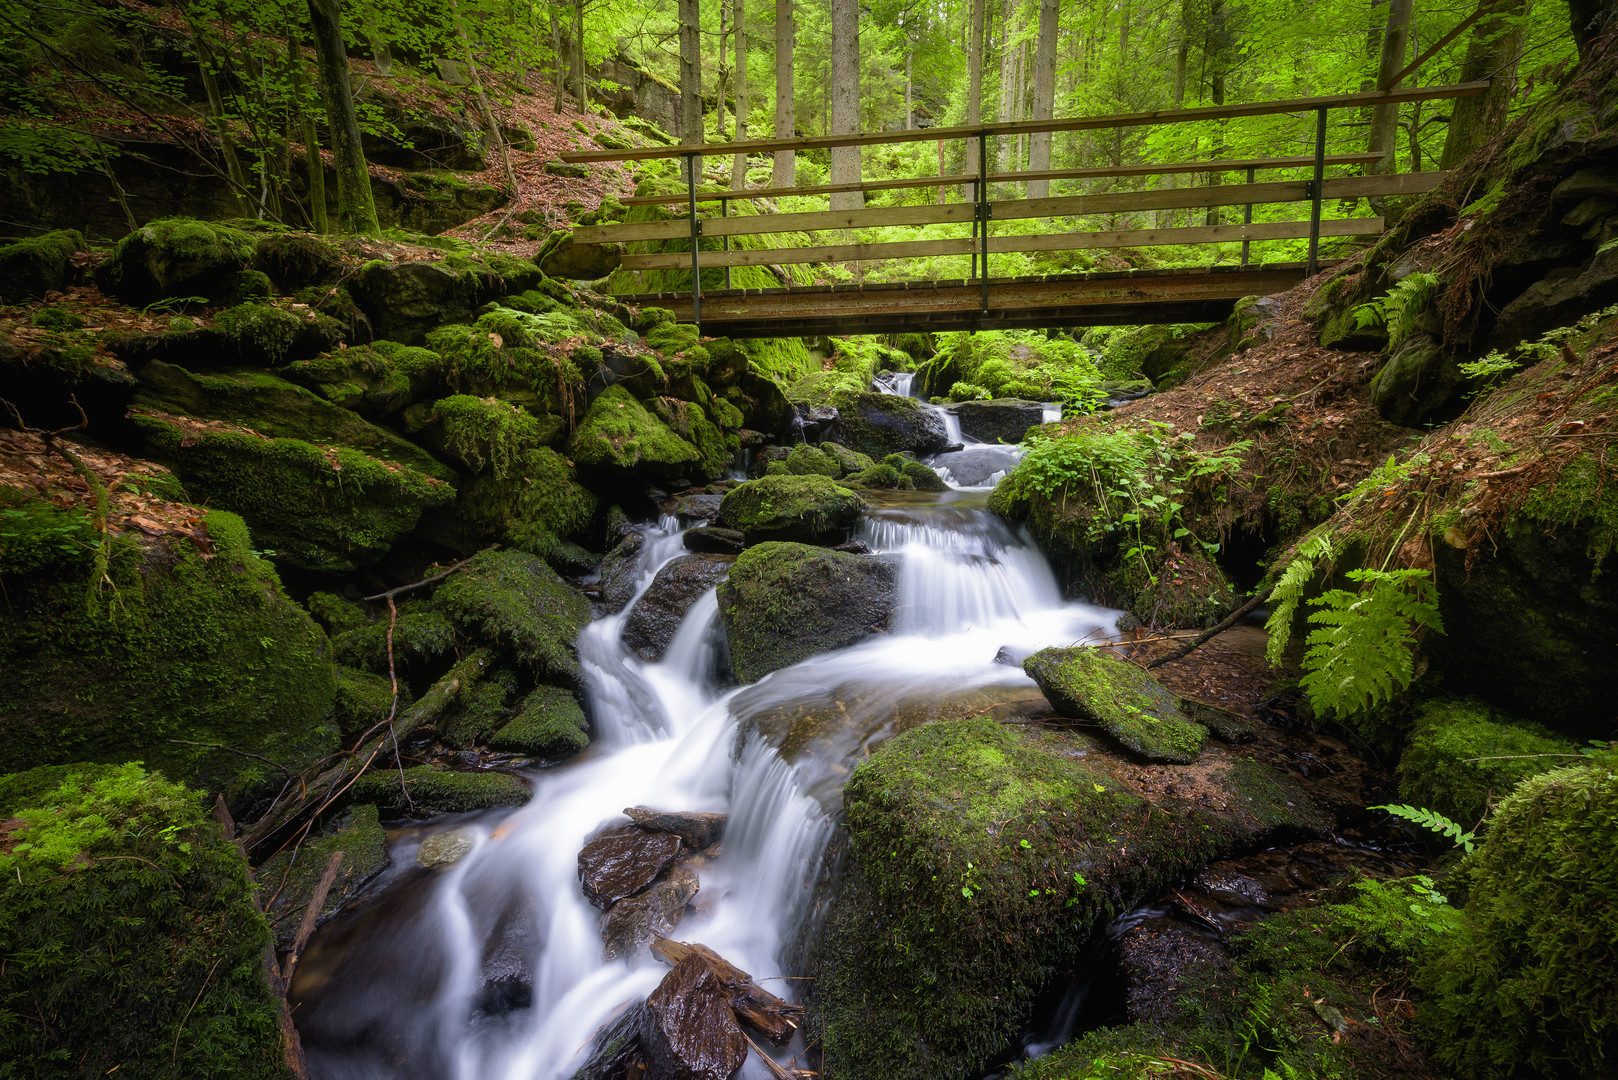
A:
(1434, 821)
(1400, 308)
(1360, 654)
(1288, 591)
(172, 303)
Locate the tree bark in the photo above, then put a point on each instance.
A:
(845, 100)
(206, 64)
(785, 106)
(356, 211)
(1182, 58)
(578, 57)
(311, 137)
(722, 76)
(974, 80)
(690, 82)
(738, 169)
(1385, 118)
(1493, 52)
(1588, 19)
(560, 56)
(1008, 82)
(1039, 146)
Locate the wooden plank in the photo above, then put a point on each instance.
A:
(907, 249)
(759, 224)
(1083, 123)
(819, 189)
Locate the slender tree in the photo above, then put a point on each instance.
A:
(1492, 53)
(1385, 118)
(690, 78)
(1039, 145)
(356, 211)
(785, 108)
(974, 78)
(738, 170)
(845, 99)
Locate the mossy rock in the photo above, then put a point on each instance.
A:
(275, 408)
(422, 637)
(882, 424)
(806, 460)
(669, 338)
(848, 461)
(480, 710)
(364, 700)
(808, 509)
(880, 477)
(372, 380)
(537, 503)
(358, 834)
(295, 261)
(32, 267)
(1461, 757)
(784, 603)
(176, 258)
(205, 649)
(1529, 984)
(434, 791)
(335, 613)
(127, 918)
(618, 435)
(921, 476)
(325, 508)
(1132, 707)
(405, 300)
(516, 601)
(549, 723)
(487, 434)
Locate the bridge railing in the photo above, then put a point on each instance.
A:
(982, 211)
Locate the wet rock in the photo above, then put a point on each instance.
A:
(359, 836)
(806, 509)
(617, 1051)
(636, 922)
(784, 603)
(713, 540)
(624, 860)
(1004, 420)
(442, 849)
(812, 423)
(657, 615)
(698, 830)
(620, 572)
(691, 1031)
(426, 790)
(508, 962)
(1131, 706)
(882, 424)
(977, 466)
(699, 507)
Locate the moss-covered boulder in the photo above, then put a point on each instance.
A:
(620, 436)
(372, 380)
(982, 858)
(536, 503)
(516, 601)
(296, 261)
(325, 508)
(176, 258)
(32, 267)
(1004, 420)
(1462, 757)
(1133, 708)
(131, 939)
(191, 641)
(549, 723)
(291, 883)
(434, 791)
(364, 700)
(848, 461)
(809, 509)
(422, 638)
(783, 603)
(882, 424)
(1529, 985)
(405, 300)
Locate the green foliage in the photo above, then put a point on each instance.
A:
(1360, 654)
(1400, 308)
(1432, 821)
(1019, 364)
(38, 537)
(1288, 592)
(486, 433)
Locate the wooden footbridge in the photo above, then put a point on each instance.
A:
(981, 300)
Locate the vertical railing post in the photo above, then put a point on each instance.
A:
(1247, 219)
(693, 164)
(1317, 190)
(981, 212)
(724, 211)
(977, 200)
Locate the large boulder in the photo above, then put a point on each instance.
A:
(372, 380)
(784, 603)
(620, 436)
(657, 615)
(581, 261)
(808, 509)
(1130, 706)
(34, 266)
(1418, 380)
(404, 300)
(1003, 420)
(515, 600)
(176, 258)
(882, 424)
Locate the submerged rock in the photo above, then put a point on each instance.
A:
(1131, 706)
(444, 848)
(624, 860)
(808, 509)
(657, 615)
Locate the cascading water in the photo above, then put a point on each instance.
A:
(403, 986)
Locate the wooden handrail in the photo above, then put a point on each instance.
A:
(1026, 127)
(954, 179)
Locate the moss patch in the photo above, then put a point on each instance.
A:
(439, 791)
(1461, 758)
(619, 434)
(550, 724)
(533, 505)
(358, 834)
(1131, 706)
(516, 601)
(807, 508)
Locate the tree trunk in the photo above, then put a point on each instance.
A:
(561, 58)
(690, 84)
(579, 89)
(722, 76)
(785, 107)
(1008, 81)
(206, 64)
(1182, 58)
(491, 123)
(845, 100)
(1493, 52)
(974, 80)
(1039, 148)
(1588, 19)
(1385, 118)
(738, 169)
(311, 137)
(356, 212)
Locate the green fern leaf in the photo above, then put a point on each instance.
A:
(1288, 592)
(1433, 821)
(1359, 654)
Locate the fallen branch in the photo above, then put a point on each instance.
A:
(434, 580)
(232, 750)
(1208, 635)
(311, 916)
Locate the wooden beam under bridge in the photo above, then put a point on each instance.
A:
(1130, 297)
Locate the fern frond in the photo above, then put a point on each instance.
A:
(1433, 821)
(1288, 592)
(1359, 655)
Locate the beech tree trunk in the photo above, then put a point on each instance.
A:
(785, 109)
(690, 80)
(1493, 52)
(845, 100)
(974, 81)
(1039, 146)
(1385, 118)
(1008, 82)
(356, 211)
(311, 137)
(578, 57)
(738, 169)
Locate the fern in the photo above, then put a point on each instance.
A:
(1433, 820)
(1400, 308)
(1360, 653)
(1288, 591)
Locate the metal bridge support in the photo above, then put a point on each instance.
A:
(693, 165)
(981, 214)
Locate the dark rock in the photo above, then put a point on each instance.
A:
(1005, 420)
(405, 300)
(657, 615)
(624, 860)
(691, 1031)
(617, 1053)
(765, 407)
(699, 507)
(573, 170)
(698, 830)
(509, 954)
(1417, 381)
(30, 268)
(1161, 961)
(852, 547)
(812, 423)
(620, 572)
(882, 424)
(581, 262)
(769, 455)
(1559, 298)
(636, 922)
(1130, 705)
(808, 509)
(359, 835)
(784, 603)
(712, 540)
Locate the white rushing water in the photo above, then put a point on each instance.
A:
(668, 736)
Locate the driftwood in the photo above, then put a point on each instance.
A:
(311, 916)
(1208, 635)
(754, 1006)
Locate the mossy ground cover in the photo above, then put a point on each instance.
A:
(425, 791)
(1461, 758)
(516, 601)
(549, 723)
(808, 508)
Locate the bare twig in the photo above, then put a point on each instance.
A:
(181, 1029)
(1208, 635)
(434, 580)
(311, 916)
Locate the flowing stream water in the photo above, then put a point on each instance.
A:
(493, 968)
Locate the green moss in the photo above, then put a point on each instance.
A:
(921, 477)
(1529, 984)
(1013, 364)
(38, 264)
(1579, 496)
(790, 507)
(481, 710)
(516, 601)
(880, 477)
(537, 502)
(299, 260)
(372, 380)
(363, 701)
(486, 434)
(1130, 706)
(433, 791)
(1157, 352)
(618, 433)
(1460, 758)
(550, 724)
(291, 882)
(669, 338)
(176, 258)
(38, 537)
(260, 332)
(421, 637)
(182, 646)
(785, 360)
(147, 956)
(336, 613)
(805, 460)
(849, 461)
(56, 319)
